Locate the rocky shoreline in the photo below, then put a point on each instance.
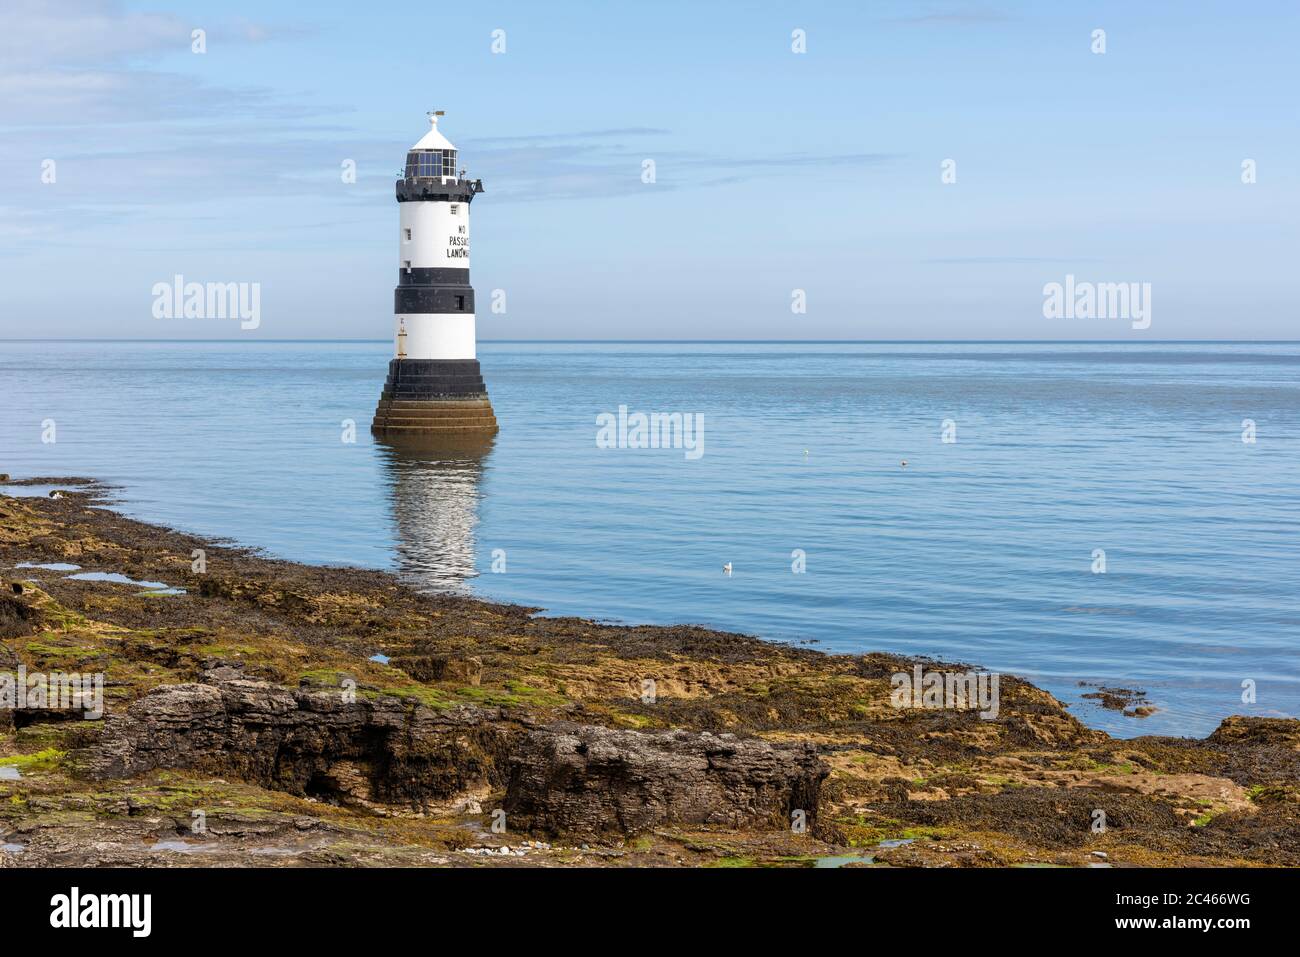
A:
(266, 713)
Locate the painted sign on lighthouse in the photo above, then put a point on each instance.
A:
(434, 387)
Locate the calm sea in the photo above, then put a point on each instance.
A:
(980, 549)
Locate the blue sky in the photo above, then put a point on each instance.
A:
(776, 171)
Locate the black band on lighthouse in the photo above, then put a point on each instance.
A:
(415, 299)
(424, 379)
(421, 190)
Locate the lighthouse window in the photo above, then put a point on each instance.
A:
(424, 163)
(460, 303)
(430, 163)
(408, 235)
(406, 264)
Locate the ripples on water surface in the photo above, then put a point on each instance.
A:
(979, 550)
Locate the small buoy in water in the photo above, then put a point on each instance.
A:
(726, 569)
(903, 463)
(805, 453)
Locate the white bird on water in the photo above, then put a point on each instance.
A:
(726, 569)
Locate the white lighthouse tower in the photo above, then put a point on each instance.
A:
(434, 387)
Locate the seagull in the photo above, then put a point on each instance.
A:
(726, 569)
(903, 463)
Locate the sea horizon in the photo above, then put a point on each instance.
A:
(482, 340)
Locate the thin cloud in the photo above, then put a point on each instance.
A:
(577, 166)
(971, 16)
(81, 62)
(1007, 260)
(76, 74)
(81, 33)
(797, 161)
(581, 136)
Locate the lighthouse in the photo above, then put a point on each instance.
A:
(434, 388)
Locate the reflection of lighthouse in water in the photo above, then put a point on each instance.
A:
(435, 499)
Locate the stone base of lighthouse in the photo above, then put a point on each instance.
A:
(431, 400)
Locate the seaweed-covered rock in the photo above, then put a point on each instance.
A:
(1276, 732)
(17, 617)
(463, 669)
